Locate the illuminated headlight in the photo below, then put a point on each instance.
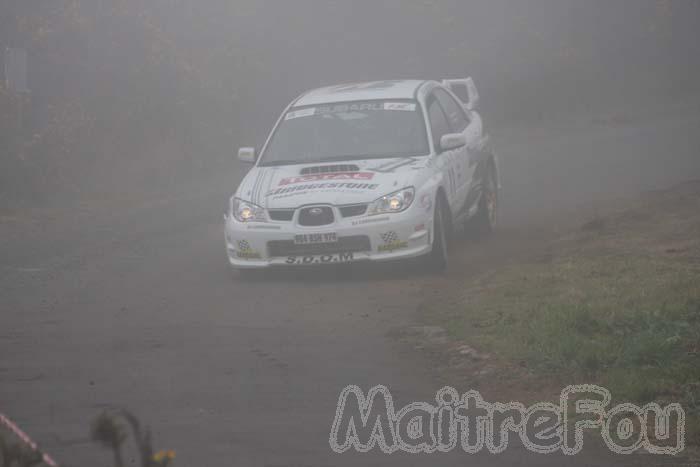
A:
(244, 211)
(394, 202)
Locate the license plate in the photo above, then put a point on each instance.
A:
(315, 238)
(321, 259)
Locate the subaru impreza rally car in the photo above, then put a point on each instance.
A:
(372, 171)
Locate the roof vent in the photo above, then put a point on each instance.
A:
(325, 169)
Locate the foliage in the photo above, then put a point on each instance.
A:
(108, 88)
(109, 430)
(18, 455)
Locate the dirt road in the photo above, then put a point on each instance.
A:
(137, 309)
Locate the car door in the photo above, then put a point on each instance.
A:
(459, 122)
(445, 160)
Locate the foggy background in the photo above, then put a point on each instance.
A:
(136, 97)
(116, 168)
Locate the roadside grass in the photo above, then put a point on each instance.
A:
(616, 303)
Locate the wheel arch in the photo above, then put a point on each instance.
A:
(492, 161)
(488, 163)
(442, 195)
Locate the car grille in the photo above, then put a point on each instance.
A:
(351, 244)
(281, 214)
(353, 210)
(315, 216)
(286, 215)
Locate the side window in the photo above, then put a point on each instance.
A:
(455, 114)
(438, 121)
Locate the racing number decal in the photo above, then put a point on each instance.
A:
(321, 259)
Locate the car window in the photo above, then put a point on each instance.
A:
(349, 130)
(438, 121)
(455, 115)
(460, 90)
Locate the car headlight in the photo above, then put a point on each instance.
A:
(393, 202)
(243, 211)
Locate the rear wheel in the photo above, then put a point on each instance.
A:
(483, 223)
(437, 259)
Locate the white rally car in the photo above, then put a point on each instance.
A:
(366, 172)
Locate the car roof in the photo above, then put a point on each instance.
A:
(372, 90)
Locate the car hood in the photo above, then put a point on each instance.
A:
(336, 183)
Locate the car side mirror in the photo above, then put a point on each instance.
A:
(452, 141)
(247, 155)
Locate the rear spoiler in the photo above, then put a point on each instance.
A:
(465, 89)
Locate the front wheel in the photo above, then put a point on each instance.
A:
(484, 221)
(437, 259)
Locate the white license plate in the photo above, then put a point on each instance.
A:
(315, 238)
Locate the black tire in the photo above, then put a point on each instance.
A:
(483, 223)
(437, 259)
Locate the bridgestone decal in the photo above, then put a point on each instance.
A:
(320, 186)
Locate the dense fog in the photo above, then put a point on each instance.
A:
(156, 91)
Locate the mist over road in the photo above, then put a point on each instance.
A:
(143, 313)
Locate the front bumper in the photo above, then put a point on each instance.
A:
(388, 237)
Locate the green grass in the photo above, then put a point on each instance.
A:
(589, 316)
(617, 303)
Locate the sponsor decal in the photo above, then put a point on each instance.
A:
(320, 259)
(402, 106)
(390, 237)
(326, 177)
(371, 220)
(350, 107)
(393, 246)
(391, 242)
(372, 106)
(246, 252)
(298, 189)
(373, 85)
(300, 113)
(261, 183)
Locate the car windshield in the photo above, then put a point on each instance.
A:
(347, 131)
